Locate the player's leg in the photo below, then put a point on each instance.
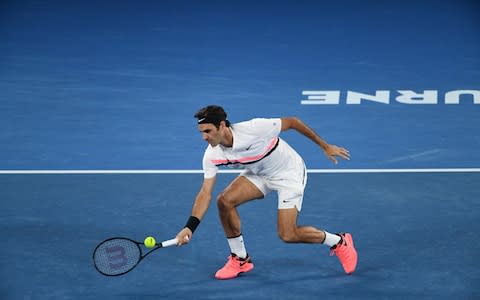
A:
(340, 244)
(290, 232)
(290, 198)
(241, 190)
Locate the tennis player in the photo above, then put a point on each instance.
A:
(269, 164)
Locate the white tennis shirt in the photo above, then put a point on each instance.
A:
(257, 148)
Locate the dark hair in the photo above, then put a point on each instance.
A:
(213, 114)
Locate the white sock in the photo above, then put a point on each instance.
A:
(237, 246)
(331, 239)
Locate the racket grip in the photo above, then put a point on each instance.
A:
(169, 243)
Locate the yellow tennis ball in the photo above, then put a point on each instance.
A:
(149, 242)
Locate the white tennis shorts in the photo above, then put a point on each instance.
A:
(289, 185)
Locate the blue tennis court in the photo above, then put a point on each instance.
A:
(415, 234)
(90, 88)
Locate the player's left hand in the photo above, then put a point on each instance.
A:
(332, 151)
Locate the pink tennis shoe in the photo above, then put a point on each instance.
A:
(346, 253)
(234, 267)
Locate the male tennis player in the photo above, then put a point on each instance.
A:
(269, 164)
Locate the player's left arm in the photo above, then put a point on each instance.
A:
(331, 151)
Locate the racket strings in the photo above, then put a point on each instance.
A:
(116, 256)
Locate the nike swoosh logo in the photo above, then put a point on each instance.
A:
(245, 261)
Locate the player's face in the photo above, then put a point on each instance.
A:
(210, 134)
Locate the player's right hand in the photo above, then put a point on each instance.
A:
(184, 236)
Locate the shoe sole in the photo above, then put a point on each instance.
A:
(238, 274)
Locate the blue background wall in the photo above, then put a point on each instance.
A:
(114, 85)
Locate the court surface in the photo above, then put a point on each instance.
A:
(92, 85)
(416, 235)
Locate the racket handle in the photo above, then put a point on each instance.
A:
(169, 243)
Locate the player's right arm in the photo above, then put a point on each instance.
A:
(200, 207)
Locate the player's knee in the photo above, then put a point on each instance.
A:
(223, 202)
(288, 235)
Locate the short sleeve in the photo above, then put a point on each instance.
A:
(267, 127)
(209, 169)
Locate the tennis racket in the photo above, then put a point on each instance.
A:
(118, 256)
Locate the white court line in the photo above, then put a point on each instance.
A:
(322, 171)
